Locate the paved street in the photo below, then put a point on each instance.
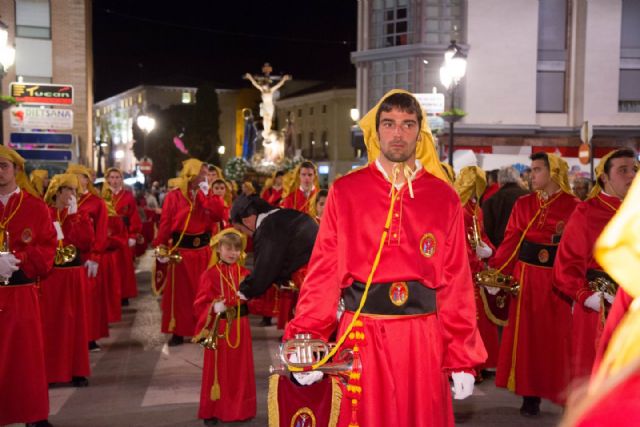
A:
(138, 381)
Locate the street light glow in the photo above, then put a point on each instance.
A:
(355, 114)
(221, 149)
(146, 123)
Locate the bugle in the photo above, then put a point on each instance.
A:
(493, 279)
(164, 252)
(210, 342)
(303, 351)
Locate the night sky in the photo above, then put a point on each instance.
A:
(190, 42)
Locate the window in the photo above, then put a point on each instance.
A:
(390, 23)
(300, 112)
(629, 95)
(442, 21)
(387, 75)
(311, 111)
(33, 19)
(552, 56)
(324, 109)
(186, 97)
(325, 145)
(299, 142)
(308, 153)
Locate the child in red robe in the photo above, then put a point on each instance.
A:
(228, 382)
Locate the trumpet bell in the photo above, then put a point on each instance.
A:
(493, 279)
(65, 255)
(164, 252)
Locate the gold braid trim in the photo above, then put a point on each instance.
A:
(272, 401)
(488, 312)
(336, 399)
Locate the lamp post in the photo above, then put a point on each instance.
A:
(7, 57)
(451, 72)
(146, 124)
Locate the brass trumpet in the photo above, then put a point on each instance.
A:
(473, 234)
(210, 342)
(602, 284)
(164, 252)
(494, 279)
(290, 286)
(65, 254)
(303, 351)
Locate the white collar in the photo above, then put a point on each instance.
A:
(398, 186)
(5, 199)
(313, 187)
(262, 216)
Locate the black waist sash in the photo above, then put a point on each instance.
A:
(537, 254)
(18, 278)
(191, 241)
(397, 298)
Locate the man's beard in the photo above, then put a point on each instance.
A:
(397, 157)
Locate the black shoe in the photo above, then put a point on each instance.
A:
(93, 346)
(79, 382)
(175, 340)
(530, 406)
(266, 321)
(125, 302)
(211, 421)
(43, 423)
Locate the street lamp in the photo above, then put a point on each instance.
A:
(146, 124)
(7, 57)
(453, 70)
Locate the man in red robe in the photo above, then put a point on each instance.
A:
(64, 291)
(28, 244)
(470, 185)
(189, 213)
(272, 192)
(125, 205)
(92, 205)
(302, 189)
(575, 264)
(611, 398)
(534, 352)
(402, 270)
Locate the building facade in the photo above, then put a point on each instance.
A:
(320, 127)
(536, 70)
(115, 116)
(53, 46)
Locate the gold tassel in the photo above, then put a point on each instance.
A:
(172, 324)
(215, 388)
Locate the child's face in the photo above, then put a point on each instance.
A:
(219, 189)
(229, 254)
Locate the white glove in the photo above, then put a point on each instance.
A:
(462, 385)
(8, 264)
(483, 250)
(73, 206)
(305, 378)
(241, 296)
(204, 187)
(163, 259)
(219, 307)
(492, 290)
(132, 242)
(593, 301)
(92, 268)
(610, 298)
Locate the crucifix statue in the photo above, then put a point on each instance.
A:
(263, 84)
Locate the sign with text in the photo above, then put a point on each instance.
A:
(41, 118)
(42, 94)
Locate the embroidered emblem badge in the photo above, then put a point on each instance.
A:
(304, 417)
(399, 293)
(196, 242)
(543, 256)
(27, 235)
(428, 245)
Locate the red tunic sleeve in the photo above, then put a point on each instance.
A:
(78, 231)
(32, 236)
(572, 258)
(456, 303)
(168, 212)
(135, 223)
(618, 311)
(319, 295)
(287, 202)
